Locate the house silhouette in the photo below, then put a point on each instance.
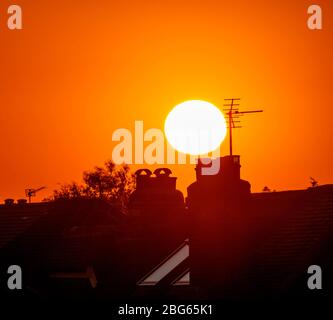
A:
(223, 242)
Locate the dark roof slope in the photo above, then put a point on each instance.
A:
(16, 219)
(296, 226)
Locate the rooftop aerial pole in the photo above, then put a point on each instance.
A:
(234, 113)
(32, 192)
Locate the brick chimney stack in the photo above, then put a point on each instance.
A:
(217, 207)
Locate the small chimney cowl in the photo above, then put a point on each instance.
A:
(9, 202)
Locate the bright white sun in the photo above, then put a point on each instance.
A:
(195, 127)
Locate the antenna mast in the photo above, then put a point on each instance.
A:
(234, 113)
(32, 192)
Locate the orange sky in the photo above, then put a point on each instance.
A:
(81, 69)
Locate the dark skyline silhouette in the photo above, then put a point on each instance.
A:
(222, 242)
(79, 71)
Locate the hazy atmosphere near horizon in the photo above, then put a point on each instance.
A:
(79, 70)
(166, 158)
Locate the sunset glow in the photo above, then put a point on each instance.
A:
(79, 70)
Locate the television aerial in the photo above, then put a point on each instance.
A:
(29, 193)
(234, 113)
